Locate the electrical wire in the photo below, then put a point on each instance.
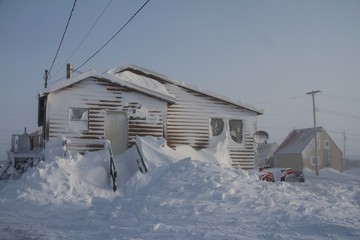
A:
(57, 52)
(342, 133)
(113, 35)
(50, 83)
(287, 113)
(281, 100)
(339, 114)
(347, 98)
(82, 40)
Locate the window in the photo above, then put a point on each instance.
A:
(313, 161)
(326, 144)
(236, 130)
(217, 126)
(78, 114)
(78, 118)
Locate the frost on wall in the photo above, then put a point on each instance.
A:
(79, 110)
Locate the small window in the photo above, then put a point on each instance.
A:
(78, 118)
(236, 130)
(326, 144)
(313, 162)
(78, 114)
(217, 126)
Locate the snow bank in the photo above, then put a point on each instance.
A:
(184, 195)
(74, 179)
(156, 153)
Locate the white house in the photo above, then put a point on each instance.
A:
(130, 101)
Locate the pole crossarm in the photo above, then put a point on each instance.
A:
(313, 92)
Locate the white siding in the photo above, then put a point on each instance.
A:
(145, 113)
(188, 123)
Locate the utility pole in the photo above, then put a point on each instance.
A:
(312, 93)
(344, 156)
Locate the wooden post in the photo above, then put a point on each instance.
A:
(46, 77)
(69, 71)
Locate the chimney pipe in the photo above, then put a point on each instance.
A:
(69, 71)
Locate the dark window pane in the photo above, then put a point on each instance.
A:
(217, 126)
(78, 114)
(236, 130)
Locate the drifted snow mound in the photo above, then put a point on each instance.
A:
(189, 196)
(190, 180)
(156, 153)
(74, 178)
(193, 199)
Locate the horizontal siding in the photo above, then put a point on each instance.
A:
(188, 123)
(244, 158)
(100, 96)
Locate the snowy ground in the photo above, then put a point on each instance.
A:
(179, 198)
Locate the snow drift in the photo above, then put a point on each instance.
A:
(184, 195)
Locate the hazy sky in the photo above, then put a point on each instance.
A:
(268, 53)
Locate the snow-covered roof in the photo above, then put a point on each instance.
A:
(297, 141)
(132, 81)
(155, 75)
(265, 149)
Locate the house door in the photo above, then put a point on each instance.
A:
(116, 130)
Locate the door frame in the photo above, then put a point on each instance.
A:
(126, 128)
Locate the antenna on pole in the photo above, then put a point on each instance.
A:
(312, 93)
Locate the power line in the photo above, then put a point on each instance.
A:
(82, 40)
(342, 133)
(72, 10)
(280, 100)
(80, 72)
(49, 83)
(341, 97)
(286, 113)
(113, 35)
(339, 114)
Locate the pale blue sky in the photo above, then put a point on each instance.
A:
(265, 53)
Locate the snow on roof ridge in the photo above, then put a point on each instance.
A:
(186, 85)
(112, 78)
(146, 82)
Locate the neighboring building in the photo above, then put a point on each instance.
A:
(351, 163)
(297, 151)
(266, 154)
(130, 101)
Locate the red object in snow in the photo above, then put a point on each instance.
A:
(285, 172)
(267, 176)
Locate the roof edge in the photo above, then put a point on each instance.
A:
(111, 78)
(130, 66)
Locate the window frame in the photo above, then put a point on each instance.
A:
(226, 133)
(312, 160)
(222, 127)
(74, 123)
(242, 131)
(326, 144)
